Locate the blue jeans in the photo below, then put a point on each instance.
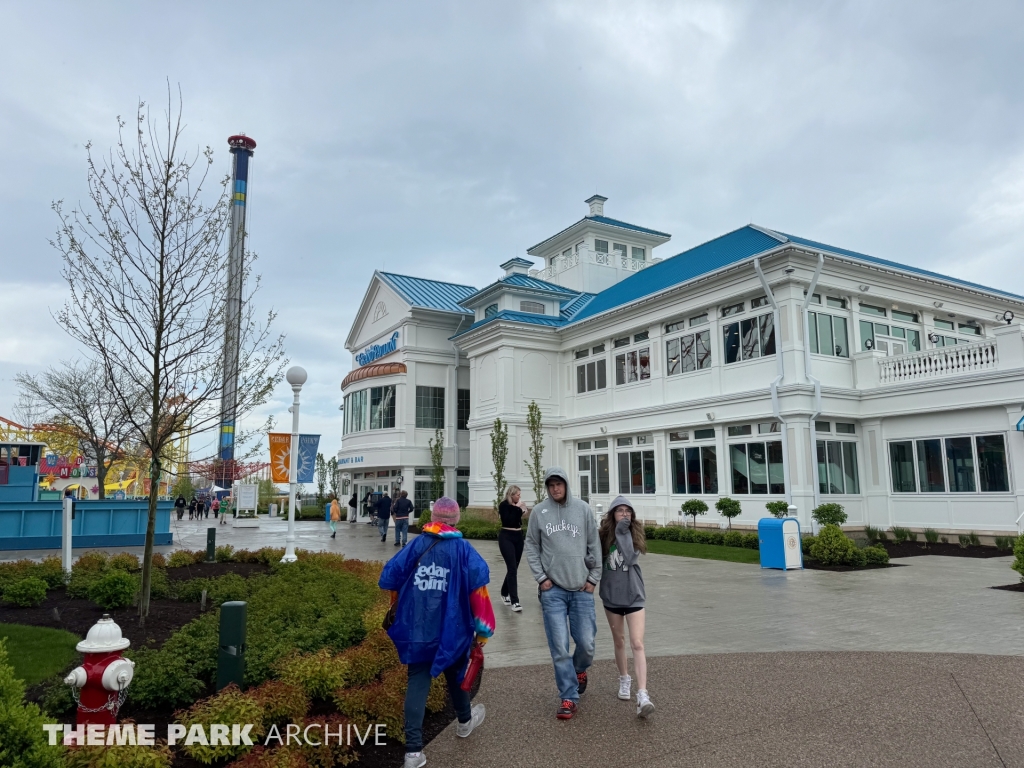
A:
(382, 526)
(416, 700)
(401, 530)
(569, 613)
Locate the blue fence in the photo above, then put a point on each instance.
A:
(107, 523)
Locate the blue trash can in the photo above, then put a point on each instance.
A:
(327, 512)
(779, 542)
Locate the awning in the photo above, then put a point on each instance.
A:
(1020, 424)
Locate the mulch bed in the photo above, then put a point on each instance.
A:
(1018, 587)
(816, 566)
(213, 570)
(917, 549)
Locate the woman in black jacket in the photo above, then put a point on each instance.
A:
(510, 544)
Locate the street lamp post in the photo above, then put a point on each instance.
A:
(296, 377)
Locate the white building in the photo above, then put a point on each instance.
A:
(758, 365)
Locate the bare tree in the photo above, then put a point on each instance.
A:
(78, 401)
(147, 269)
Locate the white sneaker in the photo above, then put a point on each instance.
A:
(516, 608)
(644, 707)
(462, 730)
(415, 760)
(625, 683)
(506, 600)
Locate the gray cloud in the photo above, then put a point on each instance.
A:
(440, 139)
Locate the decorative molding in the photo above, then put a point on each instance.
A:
(369, 371)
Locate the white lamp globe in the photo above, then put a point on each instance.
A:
(296, 376)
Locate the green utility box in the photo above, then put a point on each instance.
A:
(231, 657)
(211, 545)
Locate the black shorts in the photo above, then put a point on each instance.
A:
(623, 611)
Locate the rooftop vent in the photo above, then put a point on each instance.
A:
(596, 204)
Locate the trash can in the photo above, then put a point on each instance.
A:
(779, 542)
(327, 512)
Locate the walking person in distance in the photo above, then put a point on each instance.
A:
(383, 515)
(403, 508)
(335, 517)
(564, 553)
(179, 506)
(439, 591)
(622, 592)
(353, 504)
(510, 544)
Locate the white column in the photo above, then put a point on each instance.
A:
(296, 377)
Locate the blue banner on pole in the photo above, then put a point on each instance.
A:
(308, 445)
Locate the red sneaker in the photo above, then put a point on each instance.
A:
(581, 682)
(566, 710)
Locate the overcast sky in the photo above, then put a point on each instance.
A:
(440, 139)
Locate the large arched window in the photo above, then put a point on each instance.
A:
(491, 311)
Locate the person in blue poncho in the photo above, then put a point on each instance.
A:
(439, 586)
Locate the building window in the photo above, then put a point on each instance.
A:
(823, 426)
(904, 317)
(598, 349)
(768, 427)
(832, 301)
(883, 336)
(699, 320)
(843, 428)
(357, 411)
(695, 470)
(749, 339)
(837, 467)
(491, 311)
(430, 407)
(580, 353)
(740, 431)
(760, 301)
(601, 246)
(868, 309)
(757, 468)
(688, 353)
(594, 476)
(462, 493)
(421, 497)
(971, 330)
(623, 342)
(591, 376)
(619, 250)
(678, 437)
(634, 365)
(953, 464)
(532, 307)
(639, 254)
(704, 434)
(732, 309)
(636, 472)
(943, 325)
(463, 409)
(828, 335)
(642, 336)
(382, 407)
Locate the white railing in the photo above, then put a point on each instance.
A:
(633, 265)
(938, 363)
(560, 264)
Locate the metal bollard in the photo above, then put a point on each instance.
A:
(231, 658)
(211, 545)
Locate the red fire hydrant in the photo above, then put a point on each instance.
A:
(104, 676)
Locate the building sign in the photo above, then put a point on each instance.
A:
(377, 350)
(350, 460)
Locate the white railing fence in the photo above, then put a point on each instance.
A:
(938, 363)
(561, 263)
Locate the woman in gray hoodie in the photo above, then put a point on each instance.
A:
(623, 595)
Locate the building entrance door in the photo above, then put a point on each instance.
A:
(891, 345)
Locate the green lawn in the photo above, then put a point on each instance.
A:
(703, 551)
(36, 653)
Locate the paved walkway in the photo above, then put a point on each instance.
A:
(869, 677)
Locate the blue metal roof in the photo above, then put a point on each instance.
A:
(430, 294)
(519, 317)
(571, 308)
(707, 257)
(522, 281)
(895, 265)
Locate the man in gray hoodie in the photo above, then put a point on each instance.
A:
(564, 553)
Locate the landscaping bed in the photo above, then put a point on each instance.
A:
(1018, 587)
(918, 549)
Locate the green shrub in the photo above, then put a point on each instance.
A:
(829, 514)
(751, 541)
(649, 531)
(931, 535)
(478, 529)
(876, 556)
(158, 560)
(733, 539)
(27, 593)
(694, 507)
(23, 742)
(973, 540)
(90, 561)
(81, 582)
(50, 570)
(191, 590)
(1018, 553)
(224, 554)
(56, 700)
(944, 539)
(832, 547)
(180, 558)
(856, 557)
(717, 538)
(871, 533)
(281, 702)
(964, 540)
(123, 756)
(318, 674)
(115, 589)
(231, 586)
(159, 586)
(163, 679)
(1004, 542)
(806, 542)
(728, 508)
(777, 508)
(270, 555)
(228, 706)
(17, 570)
(424, 518)
(911, 536)
(125, 561)
(899, 535)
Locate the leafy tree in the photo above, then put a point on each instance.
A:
(146, 269)
(499, 455)
(332, 475)
(79, 406)
(436, 446)
(829, 514)
(183, 487)
(535, 466)
(321, 480)
(777, 508)
(267, 493)
(694, 507)
(728, 508)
